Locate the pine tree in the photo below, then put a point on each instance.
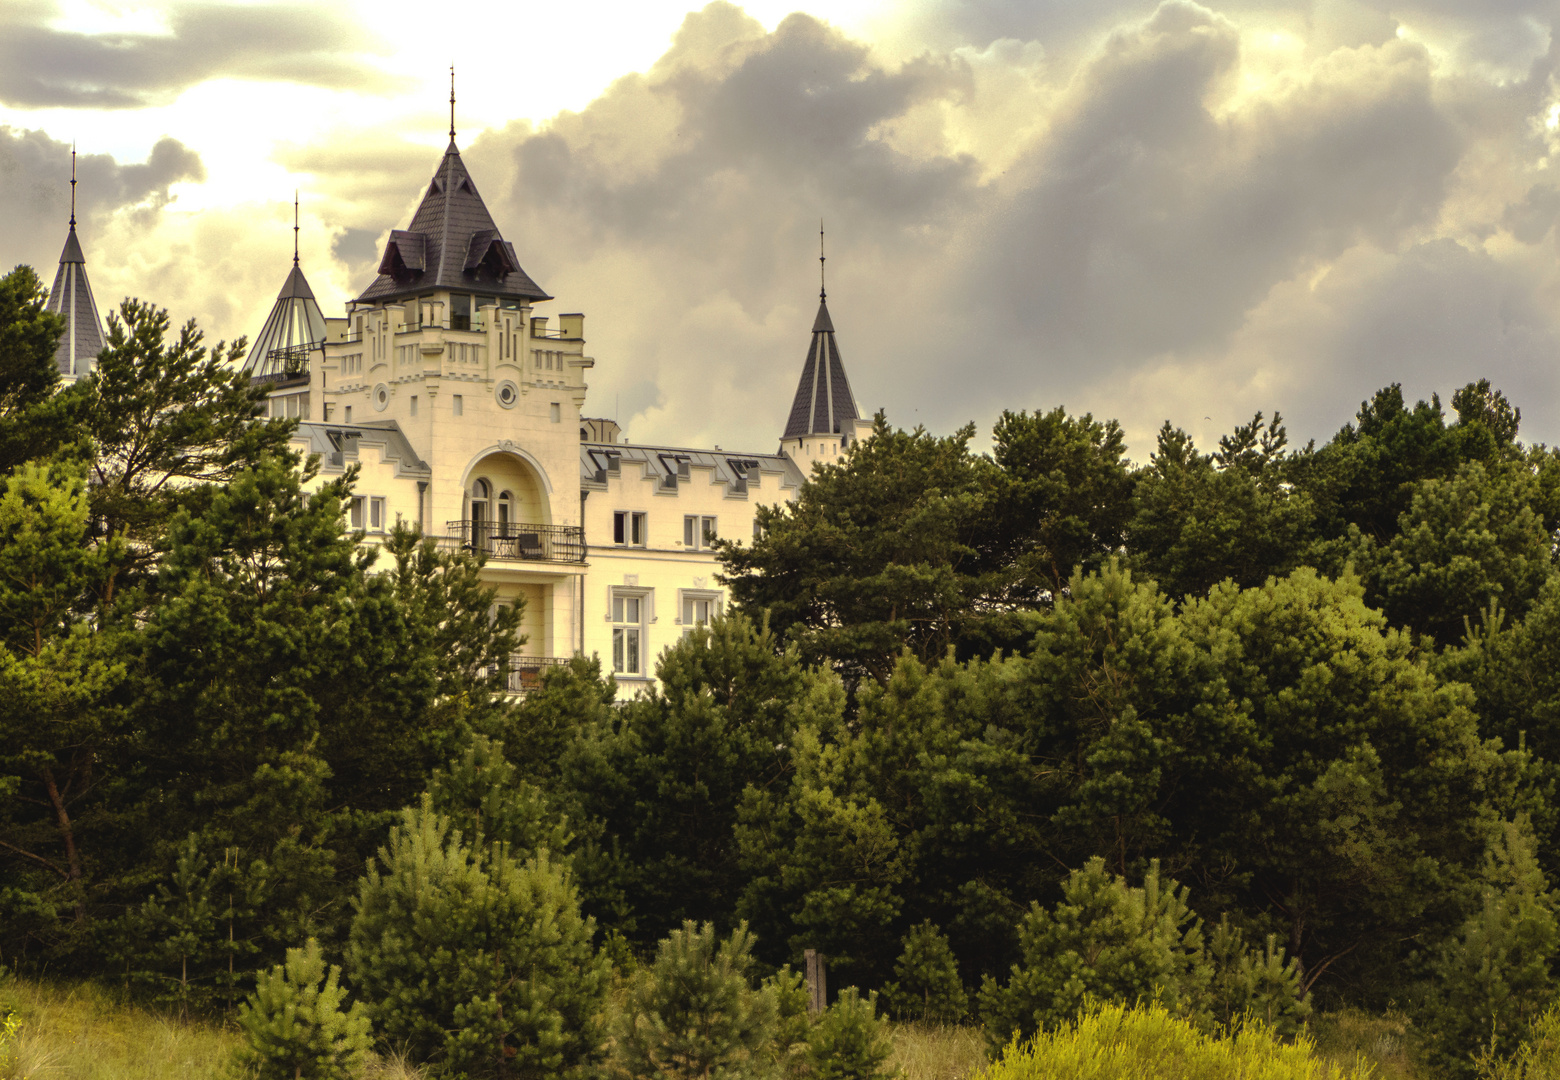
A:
(850, 1041)
(484, 797)
(475, 959)
(295, 1024)
(694, 1014)
(1105, 939)
(1495, 979)
(1246, 984)
(926, 986)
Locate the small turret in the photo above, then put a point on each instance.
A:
(824, 419)
(295, 327)
(71, 297)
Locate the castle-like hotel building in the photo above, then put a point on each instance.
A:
(464, 410)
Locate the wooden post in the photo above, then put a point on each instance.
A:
(817, 986)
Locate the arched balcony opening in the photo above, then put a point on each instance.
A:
(508, 515)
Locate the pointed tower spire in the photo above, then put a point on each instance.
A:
(451, 243)
(71, 297)
(295, 327)
(823, 290)
(823, 413)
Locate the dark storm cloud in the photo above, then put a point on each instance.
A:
(1151, 225)
(43, 65)
(761, 133)
(35, 191)
(1142, 236)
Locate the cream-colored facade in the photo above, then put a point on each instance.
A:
(464, 410)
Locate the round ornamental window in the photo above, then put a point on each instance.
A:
(381, 397)
(507, 393)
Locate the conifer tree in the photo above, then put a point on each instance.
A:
(482, 794)
(1246, 984)
(926, 984)
(296, 1026)
(694, 1013)
(474, 959)
(850, 1041)
(1495, 979)
(1105, 939)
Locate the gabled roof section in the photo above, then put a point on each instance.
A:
(71, 297)
(823, 404)
(451, 243)
(295, 327)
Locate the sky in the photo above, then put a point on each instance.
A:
(1147, 211)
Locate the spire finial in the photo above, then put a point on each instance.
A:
(452, 103)
(73, 185)
(295, 226)
(823, 292)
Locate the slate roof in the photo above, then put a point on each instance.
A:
(452, 243)
(671, 467)
(823, 404)
(295, 325)
(339, 444)
(71, 297)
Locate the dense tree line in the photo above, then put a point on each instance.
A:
(1250, 729)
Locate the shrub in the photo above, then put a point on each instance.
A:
(475, 958)
(1494, 979)
(1105, 940)
(849, 1041)
(295, 1024)
(694, 1013)
(1129, 1042)
(926, 984)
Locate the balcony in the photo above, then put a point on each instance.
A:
(519, 542)
(526, 672)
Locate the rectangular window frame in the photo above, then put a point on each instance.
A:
(630, 528)
(699, 530)
(692, 603)
(629, 610)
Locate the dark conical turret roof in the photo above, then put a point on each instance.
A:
(71, 297)
(452, 243)
(296, 325)
(824, 404)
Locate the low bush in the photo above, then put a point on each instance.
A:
(1120, 1042)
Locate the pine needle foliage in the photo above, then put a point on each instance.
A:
(296, 1026)
(926, 984)
(694, 1013)
(850, 1041)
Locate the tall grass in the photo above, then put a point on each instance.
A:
(80, 1032)
(938, 1052)
(84, 1032)
(1118, 1042)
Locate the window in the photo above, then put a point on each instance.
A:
(355, 512)
(556, 412)
(698, 531)
(628, 528)
(414, 404)
(460, 311)
(376, 514)
(346, 414)
(698, 608)
(459, 405)
(330, 412)
(628, 634)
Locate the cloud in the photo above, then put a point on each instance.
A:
(35, 192)
(43, 65)
(1144, 210)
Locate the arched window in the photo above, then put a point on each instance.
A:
(505, 512)
(481, 502)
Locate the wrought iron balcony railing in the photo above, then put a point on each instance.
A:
(526, 672)
(519, 541)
